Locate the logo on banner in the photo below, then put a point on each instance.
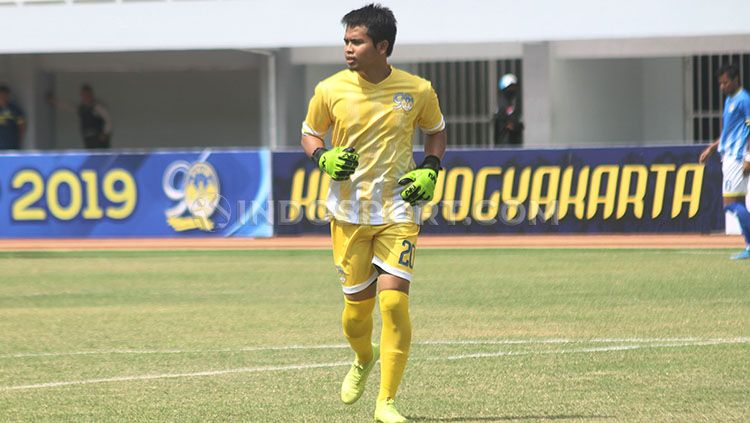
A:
(196, 188)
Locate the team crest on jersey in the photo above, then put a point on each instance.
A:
(403, 101)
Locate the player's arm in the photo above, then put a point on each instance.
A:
(420, 182)
(434, 144)
(311, 143)
(339, 162)
(708, 151)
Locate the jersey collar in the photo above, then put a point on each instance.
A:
(367, 84)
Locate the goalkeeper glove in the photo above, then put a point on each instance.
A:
(420, 181)
(338, 162)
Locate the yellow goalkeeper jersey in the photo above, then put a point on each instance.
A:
(378, 121)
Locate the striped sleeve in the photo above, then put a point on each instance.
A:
(431, 119)
(318, 118)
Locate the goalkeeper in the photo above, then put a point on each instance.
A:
(372, 110)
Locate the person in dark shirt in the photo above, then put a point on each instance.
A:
(508, 122)
(96, 125)
(94, 119)
(12, 122)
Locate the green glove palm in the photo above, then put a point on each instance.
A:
(421, 185)
(338, 162)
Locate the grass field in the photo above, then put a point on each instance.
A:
(499, 335)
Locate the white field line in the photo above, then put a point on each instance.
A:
(174, 375)
(346, 363)
(177, 351)
(543, 341)
(581, 341)
(595, 349)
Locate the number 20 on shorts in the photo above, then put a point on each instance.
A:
(407, 256)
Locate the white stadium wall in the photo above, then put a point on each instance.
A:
(596, 102)
(664, 100)
(168, 109)
(611, 75)
(241, 24)
(617, 101)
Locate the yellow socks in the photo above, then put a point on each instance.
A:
(357, 322)
(395, 340)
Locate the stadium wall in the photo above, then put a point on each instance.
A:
(618, 101)
(168, 109)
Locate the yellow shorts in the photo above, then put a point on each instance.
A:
(357, 249)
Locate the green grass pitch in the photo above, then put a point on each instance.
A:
(499, 335)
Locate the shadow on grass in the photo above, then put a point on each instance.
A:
(503, 418)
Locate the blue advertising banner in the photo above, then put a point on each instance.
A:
(639, 189)
(162, 194)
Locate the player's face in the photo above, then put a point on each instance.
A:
(359, 50)
(728, 86)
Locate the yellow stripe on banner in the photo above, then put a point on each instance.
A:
(181, 224)
(733, 194)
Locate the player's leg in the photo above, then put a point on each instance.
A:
(734, 190)
(736, 205)
(352, 253)
(394, 256)
(395, 344)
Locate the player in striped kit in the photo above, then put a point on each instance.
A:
(373, 109)
(732, 145)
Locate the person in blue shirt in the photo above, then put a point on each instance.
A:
(732, 146)
(12, 122)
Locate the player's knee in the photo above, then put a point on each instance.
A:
(358, 311)
(392, 300)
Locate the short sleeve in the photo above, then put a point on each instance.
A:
(318, 118)
(430, 119)
(746, 109)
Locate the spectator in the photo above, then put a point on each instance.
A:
(508, 122)
(12, 122)
(95, 122)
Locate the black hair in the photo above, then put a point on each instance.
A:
(4, 89)
(380, 23)
(87, 87)
(730, 69)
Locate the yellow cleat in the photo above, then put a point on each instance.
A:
(354, 382)
(385, 412)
